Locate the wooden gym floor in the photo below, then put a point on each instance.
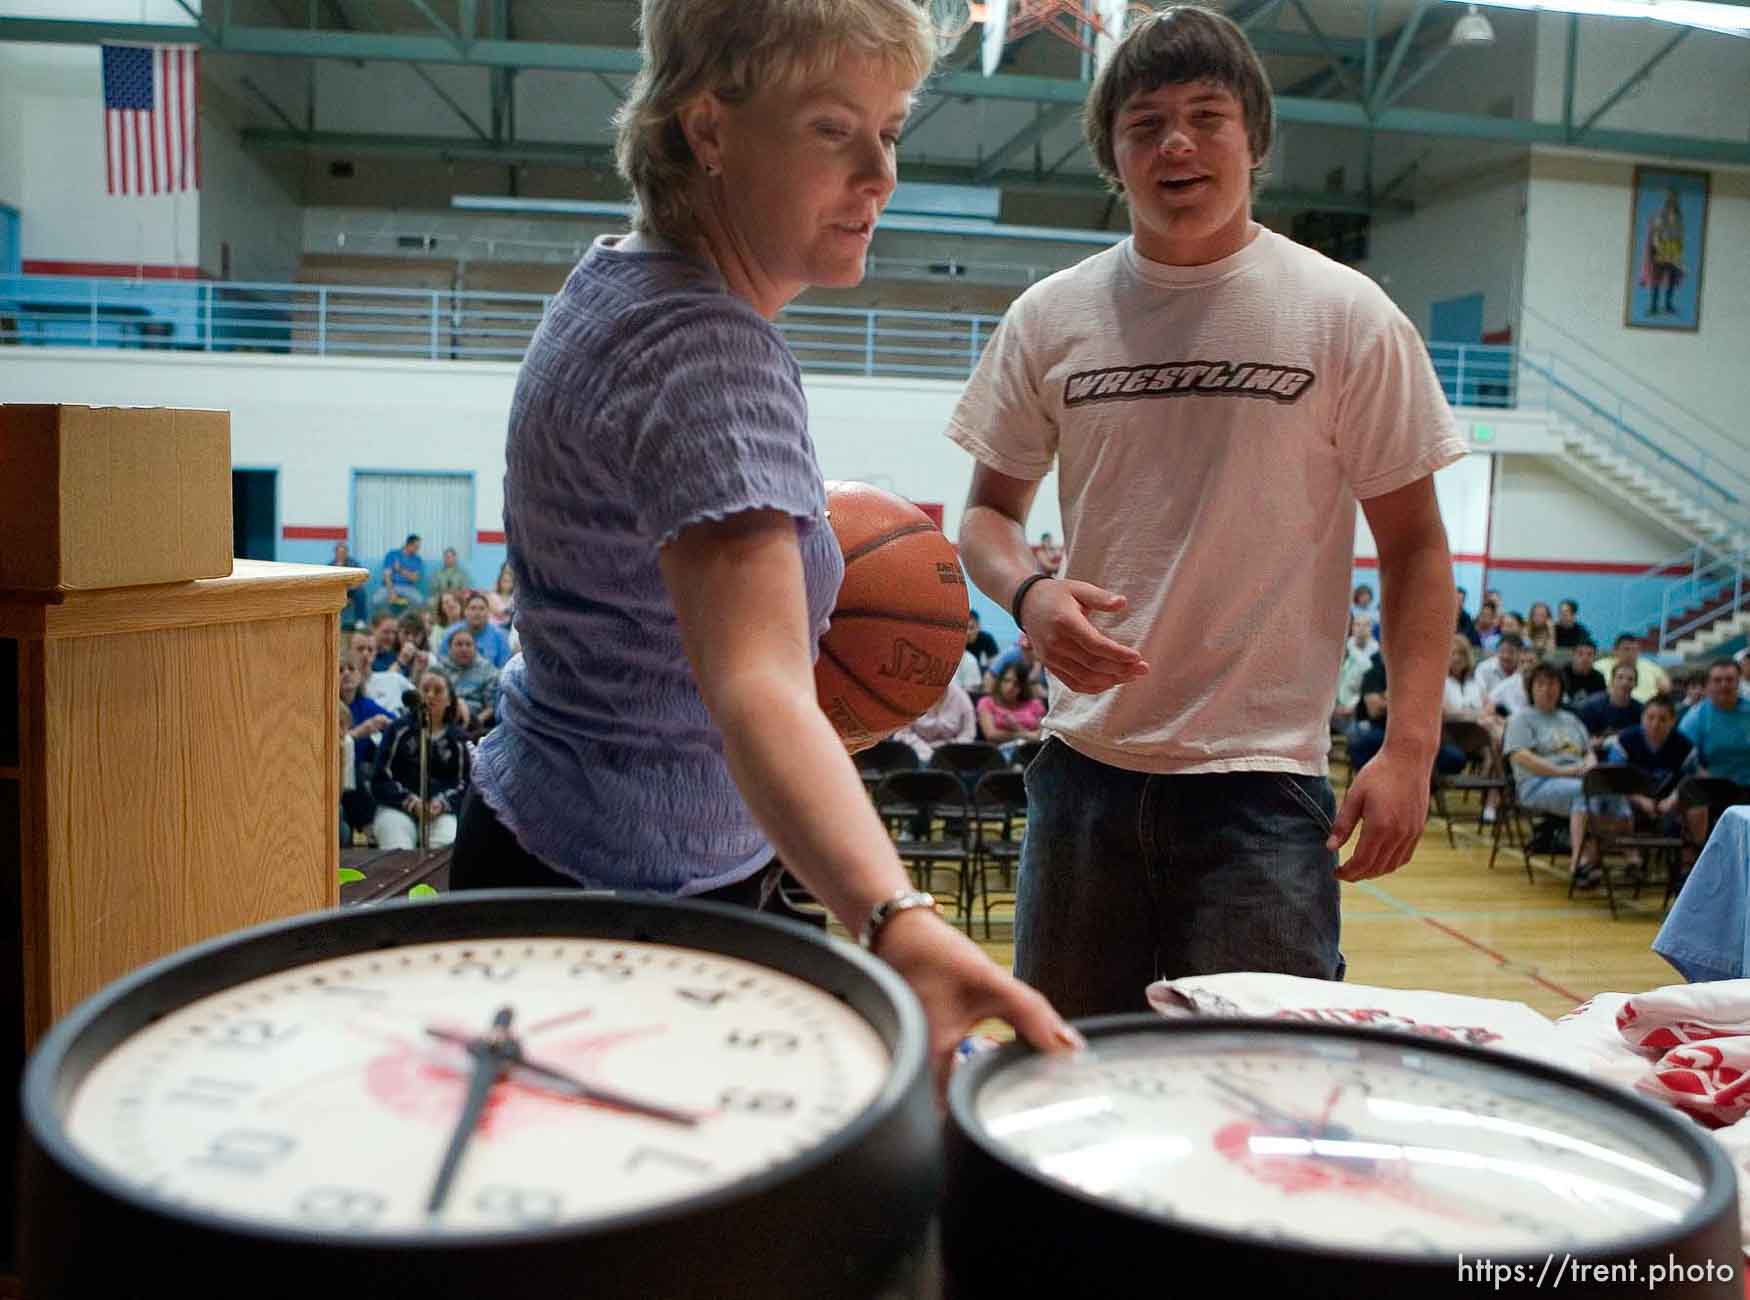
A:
(1445, 922)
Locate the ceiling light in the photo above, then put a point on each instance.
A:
(1709, 15)
(1472, 30)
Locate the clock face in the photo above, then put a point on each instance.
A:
(324, 1097)
(1357, 1145)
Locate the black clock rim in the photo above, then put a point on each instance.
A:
(1719, 1188)
(94, 1027)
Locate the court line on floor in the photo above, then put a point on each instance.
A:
(1500, 959)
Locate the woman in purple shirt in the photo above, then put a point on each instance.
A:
(665, 514)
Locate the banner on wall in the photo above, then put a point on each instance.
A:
(151, 119)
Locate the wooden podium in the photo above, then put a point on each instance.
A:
(169, 771)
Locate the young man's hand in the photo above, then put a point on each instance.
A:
(1073, 650)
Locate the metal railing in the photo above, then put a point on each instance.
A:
(425, 324)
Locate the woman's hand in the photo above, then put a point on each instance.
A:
(960, 986)
(410, 805)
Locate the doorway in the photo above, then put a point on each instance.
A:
(254, 513)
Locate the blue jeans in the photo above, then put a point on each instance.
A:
(1366, 739)
(1127, 878)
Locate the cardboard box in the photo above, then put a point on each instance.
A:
(94, 497)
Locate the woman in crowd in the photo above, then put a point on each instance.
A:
(501, 600)
(1463, 702)
(362, 721)
(666, 514)
(357, 612)
(1014, 712)
(1540, 629)
(447, 607)
(447, 770)
(1359, 647)
(950, 719)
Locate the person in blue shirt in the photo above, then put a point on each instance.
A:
(1657, 748)
(490, 640)
(1719, 727)
(403, 575)
(1614, 712)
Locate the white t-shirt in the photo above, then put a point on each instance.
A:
(1213, 427)
(1462, 697)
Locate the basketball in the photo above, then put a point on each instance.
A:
(899, 628)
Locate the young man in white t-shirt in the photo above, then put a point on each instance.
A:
(1215, 399)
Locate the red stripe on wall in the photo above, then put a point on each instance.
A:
(312, 533)
(1542, 566)
(490, 537)
(118, 270)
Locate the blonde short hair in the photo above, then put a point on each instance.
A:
(730, 47)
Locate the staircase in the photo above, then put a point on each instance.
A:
(1689, 602)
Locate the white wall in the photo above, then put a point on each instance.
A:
(1541, 514)
(1470, 238)
(249, 201)
(1577, 271)
(51, 105)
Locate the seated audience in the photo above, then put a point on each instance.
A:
(501, 600)
(357, 610)
(950, 719)
(1367, 733)
(1580, 675)
(1540, 630)
(1719, 727)
(1012, 711)
(1361, 604)
(1488, 628)
(981, 644)
(1693, 684)
(1509, 650)
(1467, 627)
(361, 650)
(1650, 679)
(1462, 702)
(1020, 653)
(1514, 623)
(362, 720)
(1550, 753)
(446, 608)
(1358, 652)
(1514, 693)
(448, 767)
(1654, 746)
(474, 680)
(403, 576)
(489, 639)
(386, 630)
(1615, 711)
(414, 658)
(452, 577)
(969, 677)
(1569, 633)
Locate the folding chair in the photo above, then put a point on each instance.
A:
(967, 759)
(1716, 794)
(1619, 779)
(922, 798)
(1485, 757)
(882, 757)
(1000, 800)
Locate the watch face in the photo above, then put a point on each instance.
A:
(325, 1097)
(1338, 1144)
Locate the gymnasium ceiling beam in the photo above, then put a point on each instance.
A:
(601, 158)
(1046, 90)
(328, 43)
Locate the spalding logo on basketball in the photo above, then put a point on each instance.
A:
(900, 626)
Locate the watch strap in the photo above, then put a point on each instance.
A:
(888, 908)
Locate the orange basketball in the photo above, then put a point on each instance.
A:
(900, 626)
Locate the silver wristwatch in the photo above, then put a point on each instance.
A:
(888, 908)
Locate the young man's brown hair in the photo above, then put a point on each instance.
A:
(1178, 45)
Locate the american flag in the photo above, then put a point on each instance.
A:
(151, 118)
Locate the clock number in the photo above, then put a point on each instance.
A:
(247, 1151)
(340, 1207)
(253, 1034)
(217, 1094)
(778, 1040)
(653, 1155)
(531, 1205)
(762, 1102)
(485, 970)
(611, 970)
(703, 997)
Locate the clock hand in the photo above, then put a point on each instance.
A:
(554, 1080)
(491, 1060)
